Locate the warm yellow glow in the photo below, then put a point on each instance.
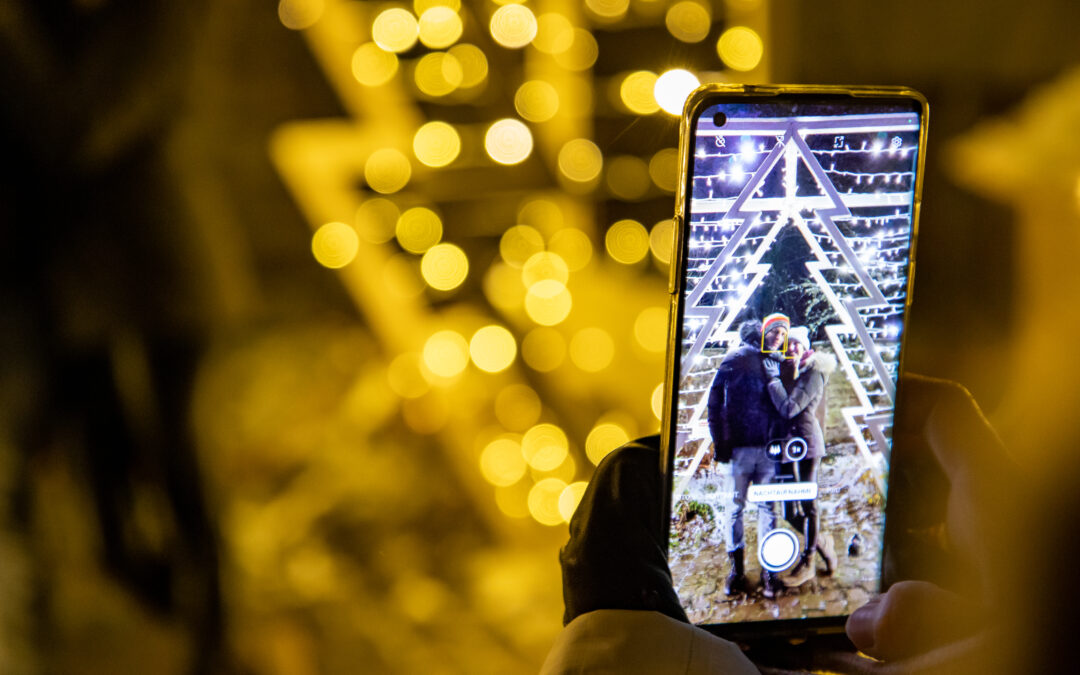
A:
(688, 21)
(444, 267)
(376, 219)
(740, 48)
(513, 26)
(636, 92)
(555, 33)
(335, 245)
(582, 52)
(548, 302)
(573, 246)
(661, 240)
(436, 144)
(503, 287)
(664, 169)
(672, 89)
(395, 30)
(501, 462)
(474, 65)
(513, 500)
(387, 170)
(580, 160)
(427, 415)
(508, 141)
(438, 74)
(544, 501)
(544, 265)
(418, 229)
(544, 447)
(300, 14)
(404, 376)
(536, 101)
(627, 241)
(446, 353)
(592, 349)
(608, 10)
(421, 6)
(569, 499)
(564, 472)
(628, 177)
(604, 438)
(492, 348)
(519, 243)
(372, 66)
(657, 401)
(650, 329)
(439, 27)
(544, 349)
(543, 214)
(517, 407)
(401, 274)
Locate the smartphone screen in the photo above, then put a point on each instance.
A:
(792, 281)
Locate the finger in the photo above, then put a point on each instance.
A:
(913, 617)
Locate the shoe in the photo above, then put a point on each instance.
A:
(827, 552)
(771, 586)
(803, 571)
(735, 582)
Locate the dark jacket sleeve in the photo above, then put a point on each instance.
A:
(717, 418)
(806, 390)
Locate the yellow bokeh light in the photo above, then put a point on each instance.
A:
(672, 89)
(544, 501)
(372, 66)
(688, 21)
(564, 472)
(508, 141)
(335, 245)
(492, 348)
(664, 169)
(582, 52)
(395, 30)
(636, 92)
(650, 329)
(657, 401)
(438, 74)
(513, 26)
(503, 287)
(536, 101)
(444, 267)
(418, 229)
(421, 6)
(474, 65)
(404, 376)
(517, 407)
(544, 265)
(544, 349)
(300, 14)
(387, 170)
(426, 415)
(573, 246)
(608, 10)
(592, 349)
(439, 27)
(580, 160)
(436, 144)
(501, 462)
(544, 447)
(376, 220)
(548, 302)
(661, 240)
(446, 353)
(627, 241)
(401, 275)
(628, 177)
(570, 497)
(542, 214)
(740, 48)
(555, 33)
(604, 438)
(519, 243)
(512, 500)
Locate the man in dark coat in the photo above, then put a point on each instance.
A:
(741, 416)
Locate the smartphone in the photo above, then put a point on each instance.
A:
(795, 226)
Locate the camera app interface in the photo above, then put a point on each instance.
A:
(799, 222)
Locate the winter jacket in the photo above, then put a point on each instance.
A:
(802, 409)
(740, 411)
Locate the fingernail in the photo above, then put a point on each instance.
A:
(860, 625)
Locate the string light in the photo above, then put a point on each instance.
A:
(418, 229)
(688, 21)
(580, 160)
(548, 302)
(544, 499)
(582, 52)
(501, 462)
(661, 240)
(672, 89)
(492, 348)
(604, 438)
(508, 141)
(544, 446)
(513, 26)
(372, 66)
(439, 27)
(300, 14)
(473, 62)
(436, 144)
(387, 170)
(544, 265)
(395, 30)
(573, 246)
(536, 101)
(446, 353)
(543, 349)
(569, 499)
(335, 245)
(444, 267)
(592, 349)
(627, 241)
(636, 92)
(740, 48)
(555, 33)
